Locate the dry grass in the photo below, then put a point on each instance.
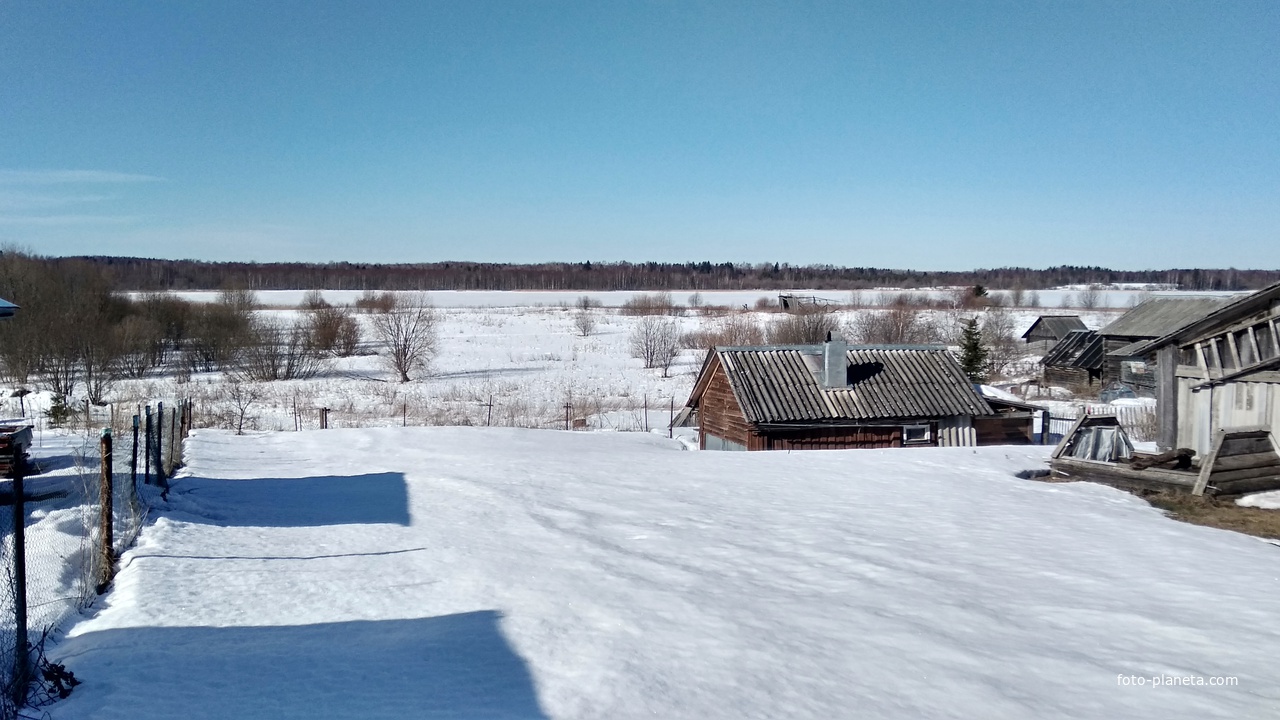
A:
(1220, 513)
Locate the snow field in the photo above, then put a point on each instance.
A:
(493, 572)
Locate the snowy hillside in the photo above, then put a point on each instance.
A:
(495, 573)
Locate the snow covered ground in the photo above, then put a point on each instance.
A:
(507, 573)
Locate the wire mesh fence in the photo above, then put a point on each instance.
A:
(66, 516)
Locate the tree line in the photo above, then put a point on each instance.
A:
(147, 274)
(75, 333)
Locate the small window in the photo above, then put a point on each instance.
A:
(915, 434)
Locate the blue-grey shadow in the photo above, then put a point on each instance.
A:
(294, 502)
(452, 666)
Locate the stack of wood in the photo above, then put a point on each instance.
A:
(1179, 459)
(14, 441)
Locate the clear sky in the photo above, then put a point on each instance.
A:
(928, 135)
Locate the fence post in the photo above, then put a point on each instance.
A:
(21, 657)
(567, 408)
(146, 449)
(158, 448)
(105, 503)
(133, 457)
(671, 423)
(174, 447)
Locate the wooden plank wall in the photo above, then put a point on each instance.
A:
(1004, 430)
(836, 438)
(720, 415)
(1242, 462)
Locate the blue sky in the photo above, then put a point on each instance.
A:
(926, 135)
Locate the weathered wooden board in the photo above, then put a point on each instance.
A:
(1246, 461)
(1122, 476)
(1217, 478)
(1242, 487)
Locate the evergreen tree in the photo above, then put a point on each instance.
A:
(973, 354)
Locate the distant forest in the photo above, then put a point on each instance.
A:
(150, 274)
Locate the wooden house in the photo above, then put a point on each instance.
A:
(833, 396)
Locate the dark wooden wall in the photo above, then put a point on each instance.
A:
(1054, 375)
(1005, 430)
(837, 438)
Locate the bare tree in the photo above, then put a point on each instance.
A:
(314, 300)
(656, 342)
(807, 325)
(998, 334)
(280, 352)
(585, 322)
(738, 329)
(409, 333)
(1089, 297)
(242, 398)
(900, 324)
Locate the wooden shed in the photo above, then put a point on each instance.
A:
(1219, 373)
(1114, 353)
(833, 396)
(1047, 330)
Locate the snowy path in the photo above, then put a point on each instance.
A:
(473, 573)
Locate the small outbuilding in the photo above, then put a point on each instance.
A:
(1047, 330)
(1114, 353)
(835, 396)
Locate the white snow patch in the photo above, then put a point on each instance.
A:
(493, 572)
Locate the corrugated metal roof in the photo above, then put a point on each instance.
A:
(1079, 349)
(1132, 349)
(1160, 316)
(778, 384)
(1056, 325)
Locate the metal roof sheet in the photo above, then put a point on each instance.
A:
(1056, 325)
(1079, 349)
(778, 385)
(1160, 316)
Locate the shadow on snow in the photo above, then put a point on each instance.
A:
(454, 666)
(295, 502)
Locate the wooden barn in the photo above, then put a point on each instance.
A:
(1113, 354)
(1075, 360)
(834, 396)
(1217, 382)
(1048, 330)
